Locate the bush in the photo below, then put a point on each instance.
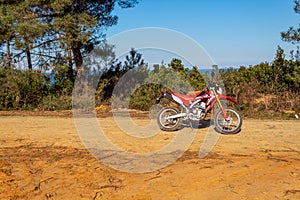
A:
(22, 89)
(32, 89)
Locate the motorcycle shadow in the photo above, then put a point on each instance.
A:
(197, 125)
(203, 124)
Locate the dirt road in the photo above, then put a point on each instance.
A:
(44, 158)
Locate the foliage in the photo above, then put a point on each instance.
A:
(273, 87)
(41, 37)
(268, 88)
(22, 89)
(55, 31)
(175, 77)
(292, 34)
(32, 89)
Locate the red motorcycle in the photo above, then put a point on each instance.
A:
(195, 107)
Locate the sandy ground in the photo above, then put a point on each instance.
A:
(43, 157)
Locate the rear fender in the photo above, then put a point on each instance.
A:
(166, 95)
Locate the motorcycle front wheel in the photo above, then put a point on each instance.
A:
(231, 125)
(168, 124)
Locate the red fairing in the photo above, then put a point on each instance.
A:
(186, 99)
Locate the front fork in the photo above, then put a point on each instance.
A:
(219, 104)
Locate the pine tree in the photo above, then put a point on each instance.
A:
(60, 28)
(293, 34)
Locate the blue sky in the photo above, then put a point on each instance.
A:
(233, 32)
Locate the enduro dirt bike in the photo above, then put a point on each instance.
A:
(195, 107)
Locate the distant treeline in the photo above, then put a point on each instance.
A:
(265, 89)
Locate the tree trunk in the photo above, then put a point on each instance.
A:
(70, 66)
(8, 55)
(78, 62)
(28, 58)
(77, 57)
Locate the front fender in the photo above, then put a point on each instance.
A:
(228, 98)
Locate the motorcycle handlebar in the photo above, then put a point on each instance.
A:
(214, 86)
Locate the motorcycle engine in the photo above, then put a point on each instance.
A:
(198, 111)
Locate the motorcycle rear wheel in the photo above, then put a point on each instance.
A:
(167, 124)
(232, 125)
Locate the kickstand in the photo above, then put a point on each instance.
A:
(190, 122)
